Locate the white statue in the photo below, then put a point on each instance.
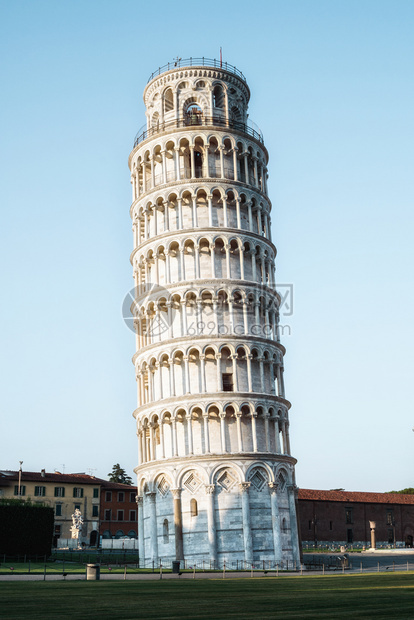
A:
(77, 523)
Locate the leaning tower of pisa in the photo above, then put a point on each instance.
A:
(215, 474)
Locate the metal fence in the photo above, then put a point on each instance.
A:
(197, 62)
(199, 120)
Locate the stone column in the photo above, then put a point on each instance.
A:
(249, 358)
(213, 260)
(282, 383)
(203, 373)
(162, 442)
(262, 379)
(287, 437)
(187, 374)
(223, 432)
(174, 437)
(172, 377)
(178, 524)
(180, 213)
(277, 437)
(219, 381)
(164, 167)
(195, 222)
(168, 262)
(210, 209)
(152, 443)
(211, 524)
(277, 540)
(206, 433)
(246, 168)
(228, 272)
(188, 417)
(247, 532)
(235, 164)
(266, 425)
(221, 149)
(241, 255)
(234, 359)
(197, 261)
(249, 207)
(153, 525)
(226, 219)
(141, 544)
(182, 262)
(184, 312)
(254, 431)
(245, 316)
(177, 163)
(166, 216)
(292, 494)
(238, 416)
(192, 162)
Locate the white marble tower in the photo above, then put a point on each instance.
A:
(215, 475)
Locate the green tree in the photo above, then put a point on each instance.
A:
(118, 474)
(408, 491)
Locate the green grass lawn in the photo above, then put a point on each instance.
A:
(383, 596)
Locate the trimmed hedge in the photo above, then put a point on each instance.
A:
(25, 529)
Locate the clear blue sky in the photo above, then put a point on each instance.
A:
(332, 90)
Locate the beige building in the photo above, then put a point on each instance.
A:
(64, 493)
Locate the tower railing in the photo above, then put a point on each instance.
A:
(197, 62)
(199, 120)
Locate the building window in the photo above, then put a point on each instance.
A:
(95, 493)
(120, 516)
(95, 511)
(59, 491)
(77, 507)
(108, 514)
(133, 497)
(58, 510)
(390, 517)
(108, 496)
(350, 536)
(165, 534)
(132, 515)
(348, 515)
(309, 525)
(57, 530)
(193, 508)
(390, 536)
(40, 491)
(331, 525)
(22, 490)
(77, 492)
(121, 496)
(227, 382)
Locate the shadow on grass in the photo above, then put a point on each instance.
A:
(358, 597)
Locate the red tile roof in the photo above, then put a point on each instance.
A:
(7, 476)
(355, 496)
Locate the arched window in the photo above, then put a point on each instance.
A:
(155, 120)
(218, 96)
(165, 532)
(235, 114)
(193, 114)
(193, 508)
(198, 164)
(168, 100)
